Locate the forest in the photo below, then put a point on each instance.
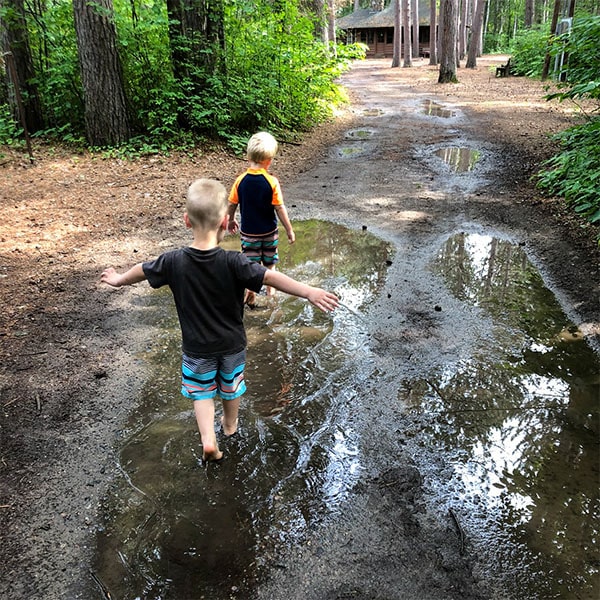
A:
(139, 77)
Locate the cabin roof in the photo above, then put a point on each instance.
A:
(367, 18)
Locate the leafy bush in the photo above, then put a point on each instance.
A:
(574, 173)
(9, 130)
(528, 50)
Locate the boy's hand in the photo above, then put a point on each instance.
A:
(111, 277)
(134, 275)
(322, 299)
(291, 236)
(233, 226)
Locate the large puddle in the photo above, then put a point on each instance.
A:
(517, 422)
(176, 529)
(521, 424)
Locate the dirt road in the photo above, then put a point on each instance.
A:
(69, 374)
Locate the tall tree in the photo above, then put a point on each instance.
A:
(448, 41)
(15, 42)
(406, 19)
(415, 27)
(529, 13)
(433, 32)
(397, 33)
(474, 49)
(106, 113)
(196, 34)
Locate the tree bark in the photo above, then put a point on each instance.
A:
(415, 28)
(433, 32)
(397, 33)
(106, 112)
(475, 35)
(555, 16)
(448, 41)
(15, 40)
(529, 13)
(406, 18)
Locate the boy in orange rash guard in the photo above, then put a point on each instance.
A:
(258, 194)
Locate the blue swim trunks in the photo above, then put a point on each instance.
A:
(205, 378)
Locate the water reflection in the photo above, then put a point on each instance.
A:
(174, 529)
(522, 421)
(459, 159)
(435, 109)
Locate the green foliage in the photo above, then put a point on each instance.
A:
(10, 132)
(270, 73)
(528, 51)
(583, 65)
(574, 173)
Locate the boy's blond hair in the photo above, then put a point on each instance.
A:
(206, 203)
(262, 146)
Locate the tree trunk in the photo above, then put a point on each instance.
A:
(433, 32)
(448, 41)
(331, 23)
(416, 51)
(555, 16)
(196, 34)
(397, 33)
(463, 28)
(406, 26)
(106, 114)
(15, 40)
(529, 13)
(475, 35)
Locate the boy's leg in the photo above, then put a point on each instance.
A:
(205, 418)
(232, 386)
(230, 416)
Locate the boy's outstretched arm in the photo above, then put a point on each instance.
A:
(134, 275)
(322, 299)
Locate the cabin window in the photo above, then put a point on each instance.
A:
(390, 36)
(380, 37)
(370, 36)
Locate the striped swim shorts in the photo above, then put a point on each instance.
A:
(205, 378)
(261, 248)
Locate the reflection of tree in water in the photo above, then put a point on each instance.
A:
(525, 411)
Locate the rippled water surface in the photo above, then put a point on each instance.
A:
(517, 423)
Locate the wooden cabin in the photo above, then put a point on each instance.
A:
(376, 30)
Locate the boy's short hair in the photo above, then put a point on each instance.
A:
(261, 146)
(206, 203)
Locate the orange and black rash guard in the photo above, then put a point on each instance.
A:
(257, 193)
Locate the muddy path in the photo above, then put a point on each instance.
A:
(436, 174)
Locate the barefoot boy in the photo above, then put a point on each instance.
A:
(258, 194)
(208, 285)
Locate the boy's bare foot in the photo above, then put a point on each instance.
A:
(214, 457)
(228, 431)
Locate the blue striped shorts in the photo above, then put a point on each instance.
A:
(261, 248)
(205, 378)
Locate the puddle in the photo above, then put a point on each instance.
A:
(459, 159)
(519, 423)
(355, 150)
(174, 529)
(359, 134)
(515, 425)
(435, 109)
(372, 112)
